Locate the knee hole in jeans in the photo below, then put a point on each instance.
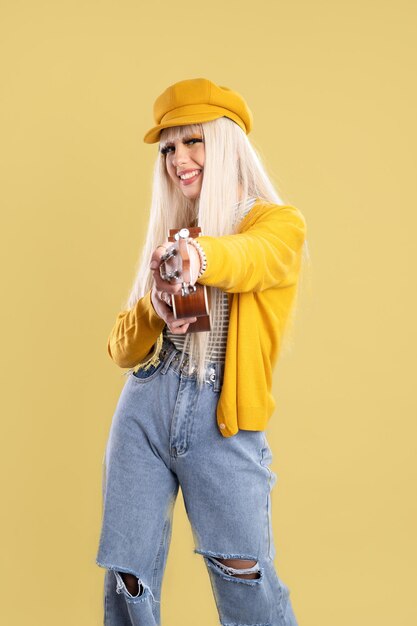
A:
(236, 564)
(132, 584)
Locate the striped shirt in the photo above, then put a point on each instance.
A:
(216, 348)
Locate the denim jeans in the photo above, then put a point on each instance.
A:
(164, 434)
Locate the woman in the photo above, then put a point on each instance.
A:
(195, 405)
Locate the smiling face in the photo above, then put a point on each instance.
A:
(184, 152)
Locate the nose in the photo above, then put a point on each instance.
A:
(180, 155)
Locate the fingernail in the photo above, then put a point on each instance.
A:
(153, 265)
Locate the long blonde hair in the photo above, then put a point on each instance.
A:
(233, 172)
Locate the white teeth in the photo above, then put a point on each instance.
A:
(189, 175)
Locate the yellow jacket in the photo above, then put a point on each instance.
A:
(258, 267)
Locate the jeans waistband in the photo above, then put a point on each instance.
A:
(171, 356)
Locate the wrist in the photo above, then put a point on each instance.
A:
(152, 296)
(201, 254)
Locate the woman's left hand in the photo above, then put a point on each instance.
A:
(165, 285)
(160, 284)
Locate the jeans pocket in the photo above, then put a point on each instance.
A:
(142, 375)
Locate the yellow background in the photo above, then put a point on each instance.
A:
(332, 88)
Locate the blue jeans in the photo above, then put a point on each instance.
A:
(164, 434)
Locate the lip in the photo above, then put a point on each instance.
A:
(192, 169)
(192, 180)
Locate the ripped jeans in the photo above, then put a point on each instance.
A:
(163, 435)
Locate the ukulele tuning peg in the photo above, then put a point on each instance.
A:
(167, 255)
(183, 234)
(186, 289)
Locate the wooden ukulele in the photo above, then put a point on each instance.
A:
(193, 301)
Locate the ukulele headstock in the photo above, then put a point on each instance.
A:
(193, 300)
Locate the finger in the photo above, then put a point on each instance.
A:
(183, 320)
(157, 253)
(179, 330)
(164, 285)
(155, 262)
(165, 308)
(165, 297)
(172, 286)
(188, 320)
(168, 273)
(178, 323)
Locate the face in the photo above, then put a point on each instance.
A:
(183, 150)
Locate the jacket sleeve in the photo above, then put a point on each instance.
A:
(258, 258)
(134, 333)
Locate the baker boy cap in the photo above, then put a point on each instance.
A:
(194, 101)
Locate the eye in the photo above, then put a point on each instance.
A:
(166, 149)
(170, 147)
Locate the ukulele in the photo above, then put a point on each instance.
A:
(193, 301)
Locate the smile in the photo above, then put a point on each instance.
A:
(190, 177)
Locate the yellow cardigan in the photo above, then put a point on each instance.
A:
(259, 268)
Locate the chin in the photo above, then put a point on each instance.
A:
(191, 195)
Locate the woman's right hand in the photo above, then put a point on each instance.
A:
(176, 326)
(162, 292)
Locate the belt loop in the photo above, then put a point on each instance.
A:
(171, 353)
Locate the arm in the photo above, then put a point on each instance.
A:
(137, 329)
(258, 258)
(134, 333)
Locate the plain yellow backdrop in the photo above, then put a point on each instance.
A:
(332, 89)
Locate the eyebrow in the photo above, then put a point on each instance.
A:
(184, 138)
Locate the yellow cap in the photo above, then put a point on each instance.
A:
(194, 101)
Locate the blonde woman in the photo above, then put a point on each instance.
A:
(194, 408)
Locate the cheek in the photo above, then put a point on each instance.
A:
(200, 156)
(171, 170)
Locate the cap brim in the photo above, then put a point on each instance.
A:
(152, 136)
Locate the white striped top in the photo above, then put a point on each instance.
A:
(216, 349)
